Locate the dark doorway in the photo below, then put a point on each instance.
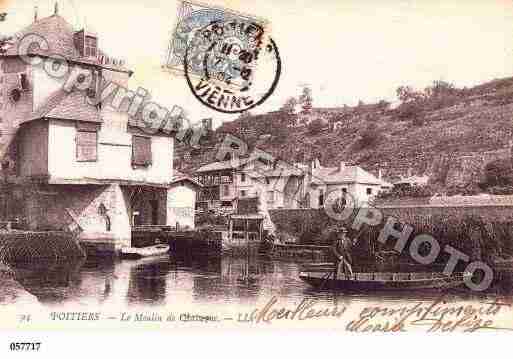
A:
(154, 204)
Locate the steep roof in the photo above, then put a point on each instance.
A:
(59, 35)
(66, 105)
(56, 31)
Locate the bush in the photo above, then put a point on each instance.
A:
(409, 110)
(501, 190)
(417, 121)
(469, 190)
(408, 191)
(369, 136)
(498, 173)
(315, 126)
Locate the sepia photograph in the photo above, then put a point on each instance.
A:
(228, 164)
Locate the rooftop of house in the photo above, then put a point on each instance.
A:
(66, 105)
(59, 35)
(320, 174)
(222, 165)
(179, 177)
(345, 174)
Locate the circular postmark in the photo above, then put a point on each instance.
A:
(230, 67)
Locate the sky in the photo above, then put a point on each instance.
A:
(345, 50)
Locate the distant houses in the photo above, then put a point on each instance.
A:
(363, 186)
(281, 185)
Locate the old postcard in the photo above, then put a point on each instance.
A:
(232, 164)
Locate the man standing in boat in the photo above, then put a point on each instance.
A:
(342, 248)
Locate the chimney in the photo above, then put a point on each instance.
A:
(56, 8)
(409, 174)
(342, 167)
(379, 174)
(35, 13)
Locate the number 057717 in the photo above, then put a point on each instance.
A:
(24, 346)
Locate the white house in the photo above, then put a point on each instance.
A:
(360, 184)
(73, 162)
(182, 201)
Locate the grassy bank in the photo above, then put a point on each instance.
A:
(24, 246)
(481, 233)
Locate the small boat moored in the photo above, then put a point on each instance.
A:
(151, 251)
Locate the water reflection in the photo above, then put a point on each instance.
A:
(147, 281)
(169, 280)
(50, 282)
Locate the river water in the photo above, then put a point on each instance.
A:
(168, 281)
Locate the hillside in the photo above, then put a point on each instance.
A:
(450, 136)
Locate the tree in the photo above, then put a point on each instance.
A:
(383, 105)
(245, 114)
(440, 88)
(290, 105)
(408, 94)
(306, 99)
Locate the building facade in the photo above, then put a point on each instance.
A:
(363, 186)
(69, 158)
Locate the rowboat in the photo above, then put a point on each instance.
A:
(151, 251)
(323, 279)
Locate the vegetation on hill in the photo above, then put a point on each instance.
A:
(446, 132)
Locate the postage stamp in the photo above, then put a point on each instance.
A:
(192, 17)
(230, 62)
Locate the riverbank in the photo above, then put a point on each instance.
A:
(10, 290)
(28, 246)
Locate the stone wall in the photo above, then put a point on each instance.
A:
(49, 208)
(11, 111)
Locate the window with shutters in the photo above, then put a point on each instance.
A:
(141, 151)
(87, 146)
(90, 46)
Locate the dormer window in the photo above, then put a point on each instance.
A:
(91, 45)
(86, 43)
